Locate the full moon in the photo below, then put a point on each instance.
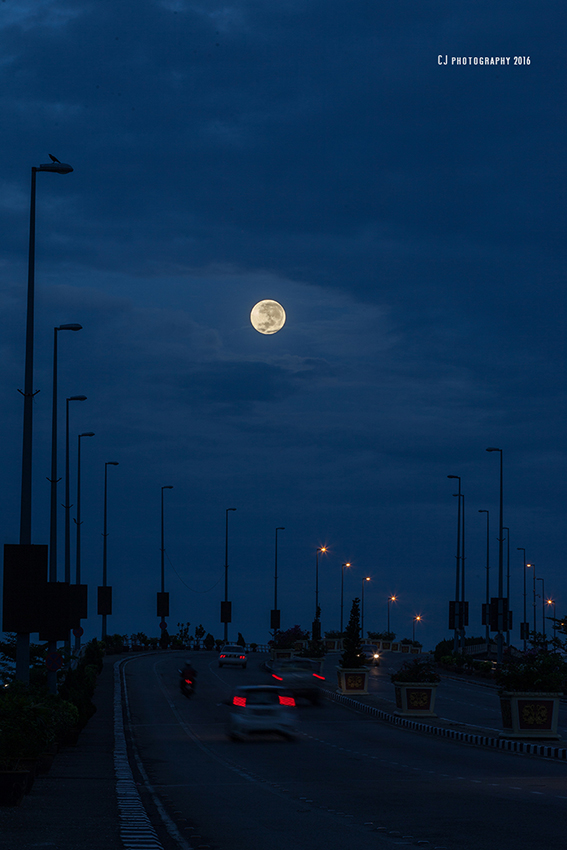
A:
(267, 317)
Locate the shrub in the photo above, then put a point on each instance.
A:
(536, 672)
(416, 670)
(351, 657)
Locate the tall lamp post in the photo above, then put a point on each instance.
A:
(507, 530)
(348, 564)
(532, 566)
(543, 609)
(23, 639)
(552, 602)
(67, 504)
(487, 609)
(104, 536)
(226, 621)
(525, 627)
(390, 599)
(362, 608)
(458, 564)
(53, 479)
(317, 628)
(78, 523)
(166, 487)
(276, 615)
(416, 619)
(501, 624)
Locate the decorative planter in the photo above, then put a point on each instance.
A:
(529, 715)
(13, 784)
(353, 680)
(416, 699)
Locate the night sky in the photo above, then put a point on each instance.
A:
(410, 218)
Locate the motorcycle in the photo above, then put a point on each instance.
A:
(186, 684)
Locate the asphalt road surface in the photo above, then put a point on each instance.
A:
(348, 781)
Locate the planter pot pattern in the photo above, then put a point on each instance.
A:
(529, 715)
(416, 699)
(353, 681)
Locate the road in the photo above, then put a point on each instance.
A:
(348, 781)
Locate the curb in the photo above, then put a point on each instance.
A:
(521, 747)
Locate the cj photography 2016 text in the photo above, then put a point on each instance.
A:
(483, 60)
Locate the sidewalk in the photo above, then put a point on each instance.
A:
(74, 806)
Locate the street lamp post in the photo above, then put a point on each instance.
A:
(487, 609)
(276, 612)
(317, 610)
(226, 572)
(166, 487)
(342, 590)
(458, 563)
(78, 523)
(362, 608)
(507, 530)
(23, 639)
(525, 625)
(67, 504)
(500, 635)
(390, 599)
(105, 535)
(543, 610)
(53, 479)
(552, 602)
(532, 566)
(416, 619)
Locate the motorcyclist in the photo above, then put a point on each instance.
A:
(189, 672)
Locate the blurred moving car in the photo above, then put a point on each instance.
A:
(232, 653)
(301, 676)
(261, 708)
(371, 654)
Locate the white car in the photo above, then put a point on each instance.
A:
(232, 653)
(260, 709)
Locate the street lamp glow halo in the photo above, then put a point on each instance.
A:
(267, 316)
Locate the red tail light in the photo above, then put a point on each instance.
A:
(317, 676)
(279, 678)
(188, 682)
(222, 656)
(240, 701)
(287, 701)
(242, 656)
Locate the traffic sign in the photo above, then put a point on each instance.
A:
(79, 631)
(53, 661)
(163, 625)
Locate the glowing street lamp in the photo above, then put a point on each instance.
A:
(416, 619)
(390, 599)
(362, 608)
(348, 564)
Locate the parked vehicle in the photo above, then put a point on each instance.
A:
(232, 653)
(257, 709)
(371, 654)
(301, 676)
